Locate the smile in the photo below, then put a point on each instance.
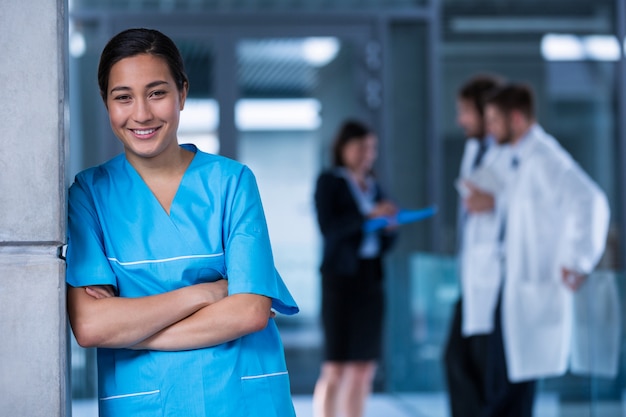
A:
(143, 131)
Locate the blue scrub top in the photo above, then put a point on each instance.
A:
(120, 235)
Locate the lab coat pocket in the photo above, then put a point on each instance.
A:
(139, 404)
(268, 395)
(542, 303)
(482, 265)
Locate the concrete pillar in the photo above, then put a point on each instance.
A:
(33, 346)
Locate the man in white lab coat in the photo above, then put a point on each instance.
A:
(554, 234)
(472, 374)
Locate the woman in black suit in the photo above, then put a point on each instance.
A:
(346, 196)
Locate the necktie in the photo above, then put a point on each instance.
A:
(514, 166)
(482, 149)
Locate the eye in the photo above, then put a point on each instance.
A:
(157, 94)
(122, 98)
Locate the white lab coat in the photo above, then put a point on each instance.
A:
(596, 347)
(556, 217)
(480, 250)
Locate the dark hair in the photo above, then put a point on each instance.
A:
(350, 130)
(514, 96)
(132, 42)
(477, 88)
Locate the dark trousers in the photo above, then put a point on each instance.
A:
(478, 385)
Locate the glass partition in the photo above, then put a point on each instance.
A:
(286, 109)
(284, 131)
(199, 121)
(576, 102)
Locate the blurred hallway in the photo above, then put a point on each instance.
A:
(421, 405)
(379, 405)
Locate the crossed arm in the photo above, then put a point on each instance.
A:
(193, 317)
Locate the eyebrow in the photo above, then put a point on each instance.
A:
(150, 85)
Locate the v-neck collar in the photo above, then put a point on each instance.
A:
(190, 147)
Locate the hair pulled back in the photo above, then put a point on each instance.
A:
(137, 41)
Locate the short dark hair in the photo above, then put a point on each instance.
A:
(514, 96)
(132, 42)
(477, 88)
(350, 130)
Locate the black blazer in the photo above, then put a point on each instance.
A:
(341, 224)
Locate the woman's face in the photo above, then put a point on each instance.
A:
(359, 155)
(144, 105)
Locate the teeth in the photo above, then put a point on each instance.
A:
(144, 132)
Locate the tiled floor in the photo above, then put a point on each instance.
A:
(379, 405)
(419, 405)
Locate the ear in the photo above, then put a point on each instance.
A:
(517, 118)
(183, 95)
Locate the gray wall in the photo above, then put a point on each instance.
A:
(33, 350)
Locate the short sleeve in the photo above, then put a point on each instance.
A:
(249, 259)
(87, 263)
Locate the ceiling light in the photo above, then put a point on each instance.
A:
(555, 47)
(320, 51)
(601, 47)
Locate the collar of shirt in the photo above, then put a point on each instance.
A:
(518, 150)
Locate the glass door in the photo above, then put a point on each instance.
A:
(293, 94)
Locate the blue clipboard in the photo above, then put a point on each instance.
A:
(403, 217)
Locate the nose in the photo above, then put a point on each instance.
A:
(142, 112)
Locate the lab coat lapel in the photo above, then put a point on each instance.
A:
(480, 260)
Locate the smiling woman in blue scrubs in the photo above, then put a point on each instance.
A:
(169, 266)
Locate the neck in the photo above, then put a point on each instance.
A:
(174, 160)
(357, 173)
(521, 132)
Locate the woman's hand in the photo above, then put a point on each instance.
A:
(212, 292)
(233, 317)
(215, 291)
(99, 318)
(387, 209)
(384, 208)
(100, 291)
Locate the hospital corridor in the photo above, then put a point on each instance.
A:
(264, 87)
